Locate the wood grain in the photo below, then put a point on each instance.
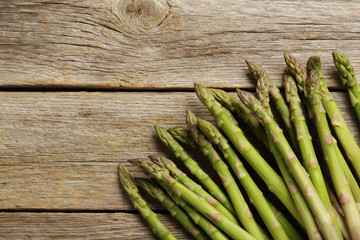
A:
(25, 225)
(148, 44)
(60, 150)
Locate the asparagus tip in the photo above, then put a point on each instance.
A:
(313, 63)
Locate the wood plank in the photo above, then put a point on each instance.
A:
(60, 150)
(23, 225)
(147, 44)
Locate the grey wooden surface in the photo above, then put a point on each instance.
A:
(148, 44)
(83, 82)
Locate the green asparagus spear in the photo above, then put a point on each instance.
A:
(174, 209)
(289, 228)
(189, 183)
(196, 201)
(308, 154)
(254, 193)
(339, 213)
(194, 168)
(274, 182)
(131, 189)
(350, 177)
(342, 131)
(300, 75)
(300, 202)
(302, 179)
(343, 191)
(297, 71)
(213, 232)
(347, 76)
(242, 112)
(239, 203)
(264, 84)
(342, 224)
(182, 135)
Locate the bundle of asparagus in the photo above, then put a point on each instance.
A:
(313, 205)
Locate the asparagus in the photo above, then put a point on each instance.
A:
(297, 71)
(300, 75)
(239, 203)
(289, 228)
(347, 76)
(189, 183)
(274, 182)
(194, 168)
(350, 177)
(300, 201)
(196, 201)
(254, 193)
(338, 212)
(182, 135)
(342, 131)
(302, 179)
(340, 183)
(151, 218)
(213, 232)
(171, 206)
(308, 154)
(242, 112)
(264, 84)
(342, 224)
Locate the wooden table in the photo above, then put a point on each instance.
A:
(83, 82)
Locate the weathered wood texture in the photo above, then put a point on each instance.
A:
(19, 225)
(144, 44)
(60, 150)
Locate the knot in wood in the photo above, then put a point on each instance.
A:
(140, 16)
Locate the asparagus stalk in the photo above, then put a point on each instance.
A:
(194, 168)
(350, 177)
(347, 76)
(342, 224)
(264, 84)
(240, 205)
(297, 71)
(185, 140)
(308, 154)
(189, 183)
(254, 193)
(300, 75)
(150, 217)
(274, 182)
(322, 216)
(300, 202)
(338, 212)
(342, 131)
(196, 201)
(242, 112)
(339, 180)
(213, 232)
(289, 228)
(182, 135)
(171, 206)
